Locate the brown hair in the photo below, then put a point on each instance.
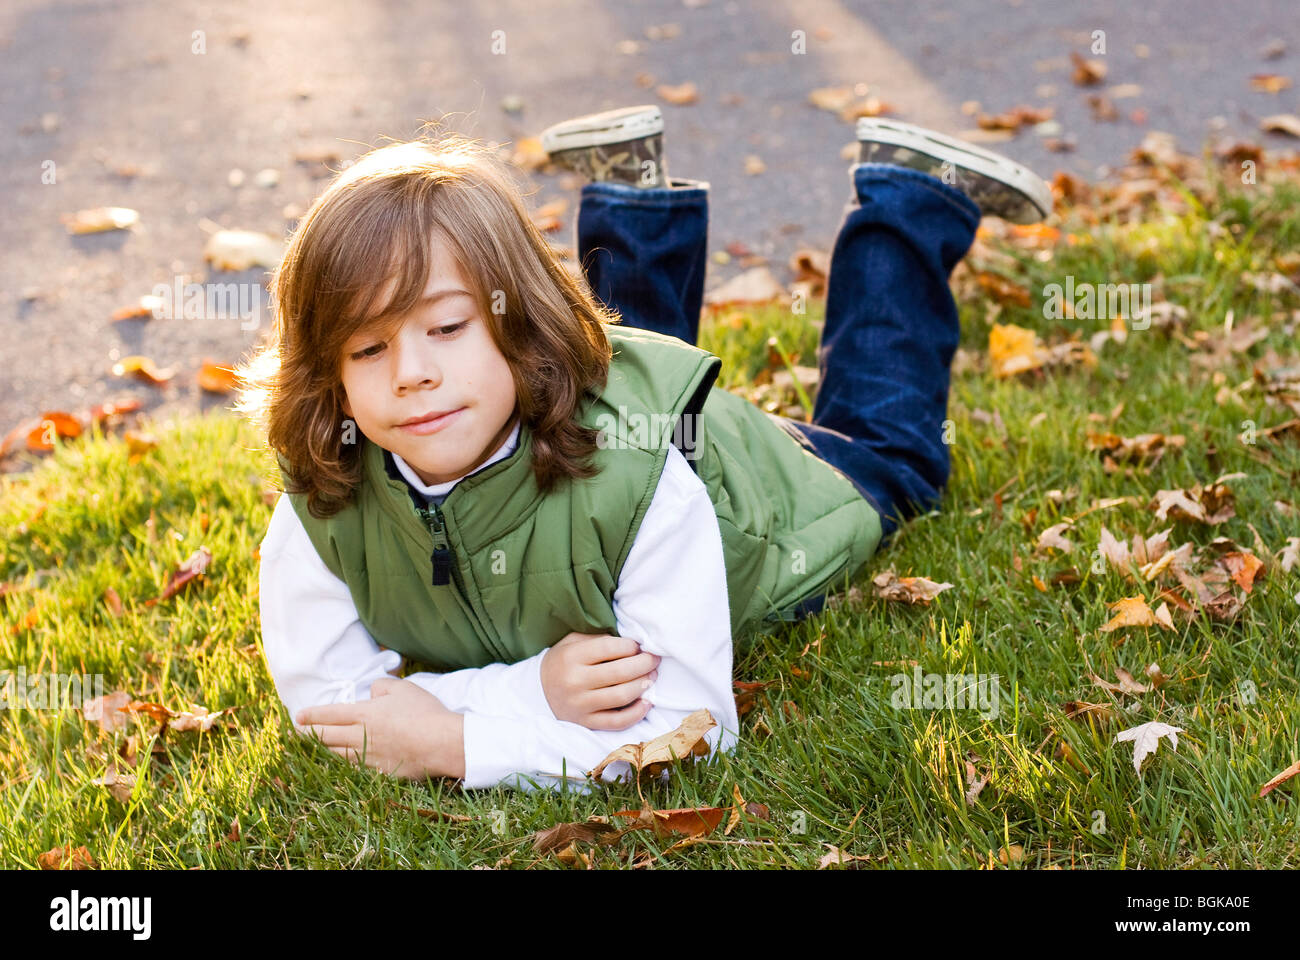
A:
(376, 222)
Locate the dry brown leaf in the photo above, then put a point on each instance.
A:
(113, 601)
(1269, 82)
(216, 377)
(1087, 73)
(106, 711)
(196, 565)
(142, 368)
(1001, 290)
(838, 858)
(99, 219)
(653, 756)
(833, 99)
(198, 719)
(680, 95)
(119, 784)
(1289, 558)
(689, 821)
(756, 285)
(67, 858)
(1132, 612)
(1051, 537)
(1280, 779)
(594, 830)
(1082, 710)
(40, 431)
(1287, 123)
(242, 250)
(1244, 567)
(890, 586)
(138, 444)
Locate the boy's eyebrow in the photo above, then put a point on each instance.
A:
(444, 294)
(427, 300)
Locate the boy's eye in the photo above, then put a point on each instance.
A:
(451, 329)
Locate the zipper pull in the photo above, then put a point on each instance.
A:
(441, 558)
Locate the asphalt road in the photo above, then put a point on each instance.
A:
(93, 89)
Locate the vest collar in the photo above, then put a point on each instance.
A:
(482, 507)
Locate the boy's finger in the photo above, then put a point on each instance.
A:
(619, 719)
(333, 735)
(327, 713)
(621, 695)
(622, 670)
(600, 649)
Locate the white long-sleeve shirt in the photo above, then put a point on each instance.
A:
(671, 598)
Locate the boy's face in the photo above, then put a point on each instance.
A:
(442, 359)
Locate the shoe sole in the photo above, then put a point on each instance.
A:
(600, 129)
(992, 165)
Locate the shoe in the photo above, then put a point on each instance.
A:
(624, 145)
(999, 186)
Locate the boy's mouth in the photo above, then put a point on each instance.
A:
(431, 423)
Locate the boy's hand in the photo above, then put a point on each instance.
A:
(402, 729)
(597, 680)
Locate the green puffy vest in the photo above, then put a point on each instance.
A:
(500, 572)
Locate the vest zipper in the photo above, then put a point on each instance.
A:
(444, 567)
(442, 558)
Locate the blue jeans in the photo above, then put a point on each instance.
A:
(891, 322)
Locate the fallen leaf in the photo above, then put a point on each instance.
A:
(1082, 709)
(1287, 123)
(41, 430)
(1001, 290)
(1132, 612)
(243, 249)
(1146, 739)
(198, 719)
(890, 586)
(114, 601)
(67, 858)
(99, 219)
(1280, 779)
(106, 711)
(756, 285)
(120, 785)
(216, 377)
(1051, 537)
(563, 834)
(1087, 73)
(1269, 82)
(143, 369)
(138, 444)
(1289, 558)
(680, 95)
(1244, 567)
(838, 858)
(690, 821)
(196, 565)
(654, 756)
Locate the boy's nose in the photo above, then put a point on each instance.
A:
(416, 368)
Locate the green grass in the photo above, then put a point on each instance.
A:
(869, 778)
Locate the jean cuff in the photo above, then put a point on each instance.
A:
(862, 173)
(678, 193)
